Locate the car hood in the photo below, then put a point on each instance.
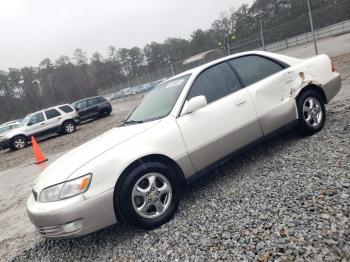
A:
(63, 167)
(12, 132)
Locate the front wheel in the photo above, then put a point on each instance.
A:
(148, 196)
(312, 112)
(19, 142)
(68, 127)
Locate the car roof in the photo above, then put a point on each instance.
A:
(86, 99)
(52, 107)
(198, 69)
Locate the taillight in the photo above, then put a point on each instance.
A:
(333, 67)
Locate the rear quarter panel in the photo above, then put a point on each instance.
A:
(275, 96)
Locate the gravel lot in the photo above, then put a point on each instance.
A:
(288, 199)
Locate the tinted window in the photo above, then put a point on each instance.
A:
(66, 108)
(52, 113)
(101, 99)
(37, 118)
(81, 105)
(93, 101)
(252, 69)
(215, 83)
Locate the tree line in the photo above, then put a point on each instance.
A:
(66, 79)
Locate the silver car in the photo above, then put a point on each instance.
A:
(57, 119)
(134, 173)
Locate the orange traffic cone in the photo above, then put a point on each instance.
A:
(39, 156)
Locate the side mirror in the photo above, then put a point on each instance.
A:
(194, 104)
(29, 124)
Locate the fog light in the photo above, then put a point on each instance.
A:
(72, 226)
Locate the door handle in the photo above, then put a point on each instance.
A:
(240, 102)
(42, 124)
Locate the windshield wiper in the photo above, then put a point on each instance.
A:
(132, 122)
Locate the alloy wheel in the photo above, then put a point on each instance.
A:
(69, 128)
(19, 143)
(151, 195)
(312, 112)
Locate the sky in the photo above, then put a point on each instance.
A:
(31, 30)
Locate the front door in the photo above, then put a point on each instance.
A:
(225, 124)
(36, 125)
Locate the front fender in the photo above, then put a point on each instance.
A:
(164, 139)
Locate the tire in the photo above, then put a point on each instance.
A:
(160, 203)
(68, 127)
(311, 111)
(105, 112)
(19, 142)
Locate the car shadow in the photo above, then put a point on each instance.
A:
(118, 234)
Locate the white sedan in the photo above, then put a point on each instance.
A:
(185, 126)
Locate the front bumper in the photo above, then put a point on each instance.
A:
(72, 217)
(4, 144)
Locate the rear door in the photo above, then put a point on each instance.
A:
(270, 84)
(93, 105)
(53, 117)
(225, 124)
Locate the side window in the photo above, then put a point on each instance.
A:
(253, 68)
(52, 113)
(93, 101)
(66, 108)
(215, 83)
(81, 105)
(101, 99)
(37, 118)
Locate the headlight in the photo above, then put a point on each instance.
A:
(65, 190)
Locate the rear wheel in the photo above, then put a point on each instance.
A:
(105, 112)
(148, 196)
(68, 127)
(312, 112)
(19, 142)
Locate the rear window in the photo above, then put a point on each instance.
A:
(66, 108)
(254, 68)
(101, 99)
(52, 113)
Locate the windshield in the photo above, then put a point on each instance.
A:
(26, 119)
(159, 102)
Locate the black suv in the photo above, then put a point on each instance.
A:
(93, 107)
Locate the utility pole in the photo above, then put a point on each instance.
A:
(228, 44)
(312, 27)
(262, 36)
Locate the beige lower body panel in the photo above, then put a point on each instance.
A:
(279, 116)
(217, 149)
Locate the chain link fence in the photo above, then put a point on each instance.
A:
(330, 21)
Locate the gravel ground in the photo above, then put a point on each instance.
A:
(287, 199)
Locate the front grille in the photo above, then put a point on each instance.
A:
(35, 195)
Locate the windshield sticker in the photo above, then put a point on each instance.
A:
(175, 83)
